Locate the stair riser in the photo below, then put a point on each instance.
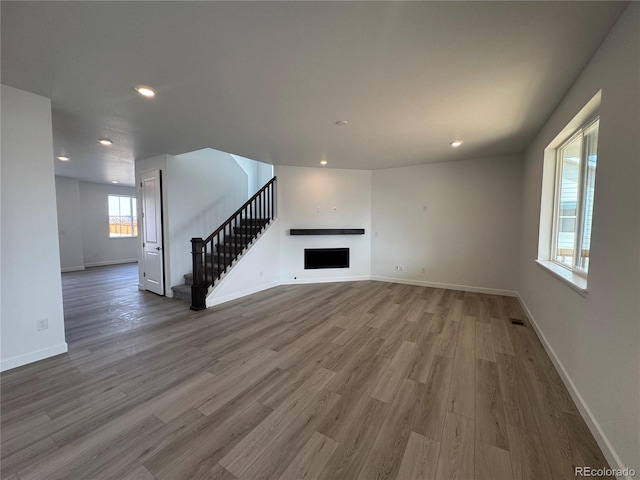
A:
(257, 221)
(236, 240)
(181, 293)
(231, 247)
(188, 278)
(248, 231)
(216, 270)
(239, 238)
(228, 255)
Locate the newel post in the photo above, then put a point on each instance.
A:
(198, 289)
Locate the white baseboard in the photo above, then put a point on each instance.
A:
(447, 286)
(31, 357)
(111, 262)
(355, 278)
(594, 426)
(72, 269)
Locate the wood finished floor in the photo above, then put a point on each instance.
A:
(363, 380)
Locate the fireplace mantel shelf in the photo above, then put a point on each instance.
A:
(326, 231)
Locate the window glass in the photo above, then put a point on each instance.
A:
(123, 221)
(568, 199)
(591, 154)
(575, 187)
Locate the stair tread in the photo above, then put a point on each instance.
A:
(182, 292)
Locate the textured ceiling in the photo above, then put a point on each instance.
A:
(268, 80)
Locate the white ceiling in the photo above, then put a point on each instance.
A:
(268, 80)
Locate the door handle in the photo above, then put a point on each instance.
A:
(157, 248)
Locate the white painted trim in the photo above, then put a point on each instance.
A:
(243, 293)
(72, 269)
(603, 442)
(448, 286)
(357, 278)
(566, 276)
(31, 357)
(111, 262)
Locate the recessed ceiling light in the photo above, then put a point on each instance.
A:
(323, 162)
(145, 91)
(457, 143)
(63, 158)
(105, 141)
(342, 123)
(114, 181)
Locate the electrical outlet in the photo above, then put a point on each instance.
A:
(424, 208)
(397, 268)
(260, 272)
(42, 324)
(317, 209)
(400, 267)
(335, 209)
(424, 270)
(375, 234)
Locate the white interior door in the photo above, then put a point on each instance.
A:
(153, 279)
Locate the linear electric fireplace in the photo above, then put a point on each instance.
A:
(326, 258)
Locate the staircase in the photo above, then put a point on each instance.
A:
(232, 246)
(214, 256)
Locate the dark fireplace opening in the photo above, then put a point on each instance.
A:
(326, 258)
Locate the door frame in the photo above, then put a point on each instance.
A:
(165, 243)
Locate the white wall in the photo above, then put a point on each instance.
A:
(301, 192)
(97, 247)
(69, 224)
(83, 225)
(258, 173)
(595, 340)
(203, 188)
(265, 173)
(30, 270)
(459, 221)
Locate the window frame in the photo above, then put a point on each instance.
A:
(546, 234)
(583, 167)
(134, 215)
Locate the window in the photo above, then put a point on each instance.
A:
(123, 216)
(566, 204)
(573, 200)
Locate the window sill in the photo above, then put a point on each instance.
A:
(576, 282)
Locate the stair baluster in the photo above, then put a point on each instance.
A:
(213, 256)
